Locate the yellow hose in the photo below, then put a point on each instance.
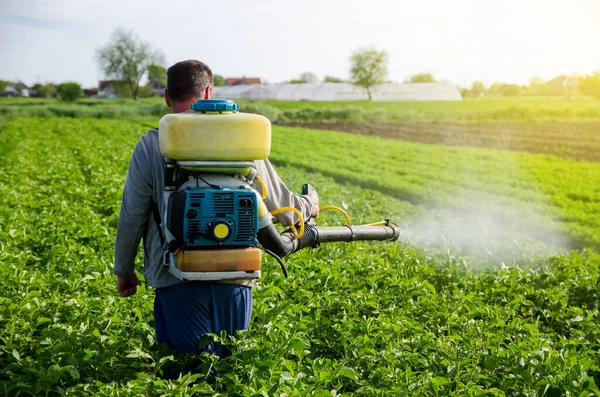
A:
(338, 209)
(294, 210)
(380, 223)
(263, 187)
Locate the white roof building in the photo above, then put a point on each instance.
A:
(341, 92)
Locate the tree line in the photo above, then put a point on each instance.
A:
(127, 60)
(68, 91)
(126, 57)
(559, 86)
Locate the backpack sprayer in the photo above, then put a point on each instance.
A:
(215, 222)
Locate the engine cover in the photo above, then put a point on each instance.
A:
(207, 217)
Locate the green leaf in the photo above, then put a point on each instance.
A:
(348, 373)
(440, 381)
(590, 384)
(202, 388)
(298, 344)
(72, 371)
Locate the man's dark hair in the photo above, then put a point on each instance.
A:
(188, 79)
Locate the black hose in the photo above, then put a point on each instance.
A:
(280, 245)
(278, 259)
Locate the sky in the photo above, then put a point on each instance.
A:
(458, 41)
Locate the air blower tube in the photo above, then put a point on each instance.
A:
(285, 244)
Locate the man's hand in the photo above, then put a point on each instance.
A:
(127, 285)
(314, 199)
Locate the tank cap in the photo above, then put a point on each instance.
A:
(215, 105)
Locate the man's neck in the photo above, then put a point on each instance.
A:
(181, 107)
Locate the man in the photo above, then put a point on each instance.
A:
(185, 311)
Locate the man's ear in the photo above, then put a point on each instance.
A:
(208, 92)
(167, 99)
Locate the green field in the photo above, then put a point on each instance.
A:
(511, 314)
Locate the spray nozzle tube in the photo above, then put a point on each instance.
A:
(285, 243)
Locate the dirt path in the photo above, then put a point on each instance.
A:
(576, 140)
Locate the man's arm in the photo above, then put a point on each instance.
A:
(133, 218)
(278, 195)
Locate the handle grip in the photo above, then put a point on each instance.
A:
(307, 188)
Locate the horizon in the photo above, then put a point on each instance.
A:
(459, 43)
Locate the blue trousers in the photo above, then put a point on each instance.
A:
(184, 313)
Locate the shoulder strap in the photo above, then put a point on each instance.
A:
(156, 215)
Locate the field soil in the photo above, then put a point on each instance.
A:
(573, 140)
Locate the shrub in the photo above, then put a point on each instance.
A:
(590, 85)
(69, 91)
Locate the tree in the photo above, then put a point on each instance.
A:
(332, 79)
(306, 77)
(368, 68)
(422, 78)
(309, 77)
(590, 85)
(41, 90)
(127, 58)
(218, 80)
(537, 86)
(477, 89)
(504, 89)
(122, 89)
(4, 84)
(69, 91)
(157, 74)
(146, 91)
(496, 88)
(511, 90)
(52, 90)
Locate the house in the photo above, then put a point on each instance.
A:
(90, 92)
(158, 88)
(22, 88)
(17, 89)
(241, 80)
(9, 91)
(564, 85)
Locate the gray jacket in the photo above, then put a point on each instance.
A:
(145, 184)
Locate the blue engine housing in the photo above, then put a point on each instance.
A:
(207, 217)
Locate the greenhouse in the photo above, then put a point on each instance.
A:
(341, 92)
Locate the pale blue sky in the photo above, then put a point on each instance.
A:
(458, 40)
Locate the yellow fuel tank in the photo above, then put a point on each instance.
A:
(220, 260)
(214, 131)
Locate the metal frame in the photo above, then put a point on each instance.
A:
(212, 276)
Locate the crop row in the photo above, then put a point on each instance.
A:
(573, 140)
(545, 191)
